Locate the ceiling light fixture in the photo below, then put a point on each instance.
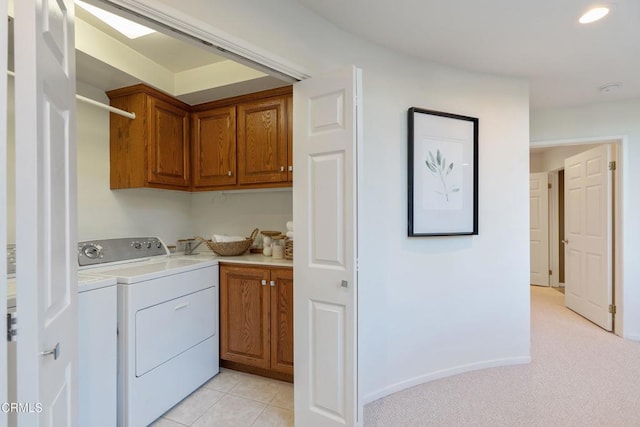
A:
(594, 14)
(131, 29)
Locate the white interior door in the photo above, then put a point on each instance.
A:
(3, 205)
(45, 205)
(539, 228)
(588, 230)
(324, 212)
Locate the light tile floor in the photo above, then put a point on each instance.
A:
(234, 399)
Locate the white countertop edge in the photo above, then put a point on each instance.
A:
(255, 259)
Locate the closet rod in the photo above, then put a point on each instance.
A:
(96, 103)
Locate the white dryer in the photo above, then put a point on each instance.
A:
(168, 343)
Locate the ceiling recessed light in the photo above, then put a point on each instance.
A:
(131, 29)
(594, 14)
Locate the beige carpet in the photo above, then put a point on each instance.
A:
(580, 375)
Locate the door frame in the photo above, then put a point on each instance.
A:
(554, 230)
(620, 154)
(162, 17)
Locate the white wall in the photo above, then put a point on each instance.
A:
(570, 125)
(238, 213)
(103, 213)
(428, 306)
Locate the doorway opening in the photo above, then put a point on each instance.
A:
(549, 159)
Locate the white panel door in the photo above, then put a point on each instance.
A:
(3, 206)
(325, 276)
(45, 219)
(588, 230)
(539, 228)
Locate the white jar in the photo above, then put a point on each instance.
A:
(278, 251)
(266, 251)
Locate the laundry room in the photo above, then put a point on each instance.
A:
(157, 77)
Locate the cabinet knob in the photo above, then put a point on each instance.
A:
(290, 168)
(263, 282)
(281, 168)
(229, 173)
(272, 283)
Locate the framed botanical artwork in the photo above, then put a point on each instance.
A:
(443, 173)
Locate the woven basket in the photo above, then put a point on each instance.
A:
(288, 248)
(232, 248)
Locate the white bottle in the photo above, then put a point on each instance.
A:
(266, 251)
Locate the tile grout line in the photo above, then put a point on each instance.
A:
(229, 393)
(209, 408)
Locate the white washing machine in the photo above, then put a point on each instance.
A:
(97, 350)
(168, 341)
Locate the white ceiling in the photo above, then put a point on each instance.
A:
(171, 53)
(167, 56)
(542, 40)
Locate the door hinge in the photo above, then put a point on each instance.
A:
(549, 185)
(612, 309)
(550, 272)
(612, 165)
(12, 328)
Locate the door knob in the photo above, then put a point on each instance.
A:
(54, 351)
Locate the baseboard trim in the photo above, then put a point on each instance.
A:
(394, 388)
(631, 337)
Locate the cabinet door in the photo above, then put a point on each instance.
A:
(168, 149)
(262, 141)
(244, 315)
(290, 138)
(214, 147)
(282, 320)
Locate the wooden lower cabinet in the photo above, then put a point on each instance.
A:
(256, 319)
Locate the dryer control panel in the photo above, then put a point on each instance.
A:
(93, 252)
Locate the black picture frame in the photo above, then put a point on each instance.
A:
(442, 173)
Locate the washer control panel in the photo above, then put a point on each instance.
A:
(94, 252)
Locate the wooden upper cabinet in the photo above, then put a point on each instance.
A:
(168, 148)
(262, 141)
(152, 150)
(290, 137)
(214, 147)
(232, 143)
